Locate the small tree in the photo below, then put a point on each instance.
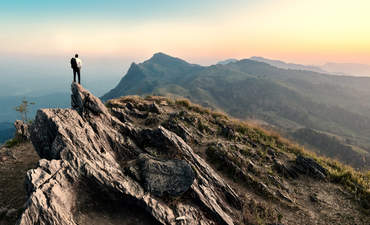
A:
(23, 109)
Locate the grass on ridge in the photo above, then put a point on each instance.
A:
(356, 182)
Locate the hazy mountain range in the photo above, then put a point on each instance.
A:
(353, 69)
(284, 65)
(332, 107)
(350, 69)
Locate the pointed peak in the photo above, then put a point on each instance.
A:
(84, 102)
(162, 58)
(161, 54)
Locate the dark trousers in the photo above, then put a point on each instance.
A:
(78, 71)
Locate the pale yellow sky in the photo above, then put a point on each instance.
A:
(310, 32)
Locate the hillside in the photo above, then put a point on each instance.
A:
(286, 99)
(159, 161)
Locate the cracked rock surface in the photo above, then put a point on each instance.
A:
(93, 159)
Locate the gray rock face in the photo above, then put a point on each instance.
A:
(159, 177)
(87, 146)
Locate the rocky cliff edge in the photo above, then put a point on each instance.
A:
(90, 157)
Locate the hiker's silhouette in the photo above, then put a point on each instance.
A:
(76, 65)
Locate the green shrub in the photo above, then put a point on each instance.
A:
(13, 142)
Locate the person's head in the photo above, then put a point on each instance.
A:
(76, 56)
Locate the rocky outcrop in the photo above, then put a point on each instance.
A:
(310, 167)
(302, 165)
(21, 130)
(87, 148)
(160, 177)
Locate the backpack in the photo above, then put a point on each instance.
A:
(73, 63)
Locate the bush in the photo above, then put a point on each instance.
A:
(13, 142)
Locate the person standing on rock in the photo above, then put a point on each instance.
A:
(76, 65)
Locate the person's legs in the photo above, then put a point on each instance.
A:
(74, 75)
(79, 75)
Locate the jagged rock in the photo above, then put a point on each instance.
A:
(284, 170)
(284, 196)
(88, 147)
(21, 130)
(159, 177)
(120, 114)
(179, 129)
(154, 108)
(251, 167)
(311, 167)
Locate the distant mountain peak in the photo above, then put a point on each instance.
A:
(227, 61)
(161, 54)
(161, 57)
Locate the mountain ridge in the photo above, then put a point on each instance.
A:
(247, 89)
(284, 65)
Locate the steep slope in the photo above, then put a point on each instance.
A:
(286, 99)
(332, 145)
(177, 163)
(145, 77)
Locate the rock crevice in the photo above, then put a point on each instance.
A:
(141, 166)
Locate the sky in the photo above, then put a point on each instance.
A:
(309, 32)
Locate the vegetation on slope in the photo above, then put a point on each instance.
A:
(286, 99)
(247, 156)
(345, 150)
(258, 163)
(357, 182)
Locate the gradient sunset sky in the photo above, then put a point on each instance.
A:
(302, 31)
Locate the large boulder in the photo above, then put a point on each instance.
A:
(160, 177)
(91, 158)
